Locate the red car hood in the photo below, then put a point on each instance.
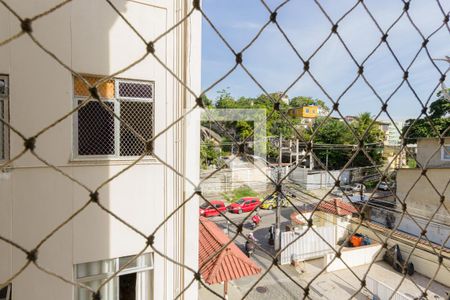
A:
(234, 205)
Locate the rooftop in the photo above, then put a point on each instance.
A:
(231, 263)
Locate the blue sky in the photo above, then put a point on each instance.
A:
(275, 65)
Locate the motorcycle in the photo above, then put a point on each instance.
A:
(250, 248)
(253, 225)
(250, 244)
(256, 219)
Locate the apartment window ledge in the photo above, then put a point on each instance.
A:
(112, 161)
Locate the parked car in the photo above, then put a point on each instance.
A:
(358, 187)
(207, 210)
(271, 202)
(383, 186)
(245, 204)
(339, 192)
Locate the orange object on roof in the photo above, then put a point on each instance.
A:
(337, 207)
(229, 264)
(356, 241)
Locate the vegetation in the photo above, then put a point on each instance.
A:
(209, 155)
(332, 131)
(435, 124)
(335, 132)
(276, 123)
(243, 191)
(412, 163)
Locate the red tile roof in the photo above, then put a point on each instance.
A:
(337, 207)
(230, 264)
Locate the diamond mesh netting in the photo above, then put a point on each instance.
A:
(107, 104)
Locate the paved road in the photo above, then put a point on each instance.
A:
(275, 284)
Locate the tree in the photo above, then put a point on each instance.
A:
(207, 102)
(441, 107)
(331, 131)
(435, 125)
(304, 101)
(208, 154)
(225, 100)
(334, 132)
(372, 136)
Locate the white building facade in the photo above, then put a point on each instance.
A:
(393, 137)
(91, 146)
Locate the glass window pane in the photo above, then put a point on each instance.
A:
(446, 152)
(2, 130)
(143, 261)
(135, 90)
(95, 268)
(95, 129)
(2, 87)
(109, 291)
(124, 260)
(139, 116)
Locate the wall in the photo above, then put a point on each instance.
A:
(227, 180)
(353, 257)
(89, 37)
(421, 198)
(436, 232)
(425, 261)
(430, 148)
(312, 180)
(304, 246)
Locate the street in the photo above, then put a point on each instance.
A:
(275, 284)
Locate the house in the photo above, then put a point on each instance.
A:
(422, 194)
(305, 112)
(90, 146)
(334, 212)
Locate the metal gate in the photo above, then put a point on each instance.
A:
(308, 246)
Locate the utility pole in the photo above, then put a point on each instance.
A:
(311, 159)
(278, 212)
(326, 168)
(290, 151)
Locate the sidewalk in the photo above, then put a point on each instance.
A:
(205, 294)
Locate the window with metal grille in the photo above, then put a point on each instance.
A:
(4, 115)
(99, 133)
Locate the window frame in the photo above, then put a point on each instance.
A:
(4, 102)
(115, 267)
(445, 146)
(116, 100)
(8, 289)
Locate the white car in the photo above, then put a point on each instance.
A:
(383, 186)
(339, 192)
(358, 187)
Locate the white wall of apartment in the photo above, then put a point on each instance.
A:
(90, 37)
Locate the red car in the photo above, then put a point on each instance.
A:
(245, 204)
(207, 210)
